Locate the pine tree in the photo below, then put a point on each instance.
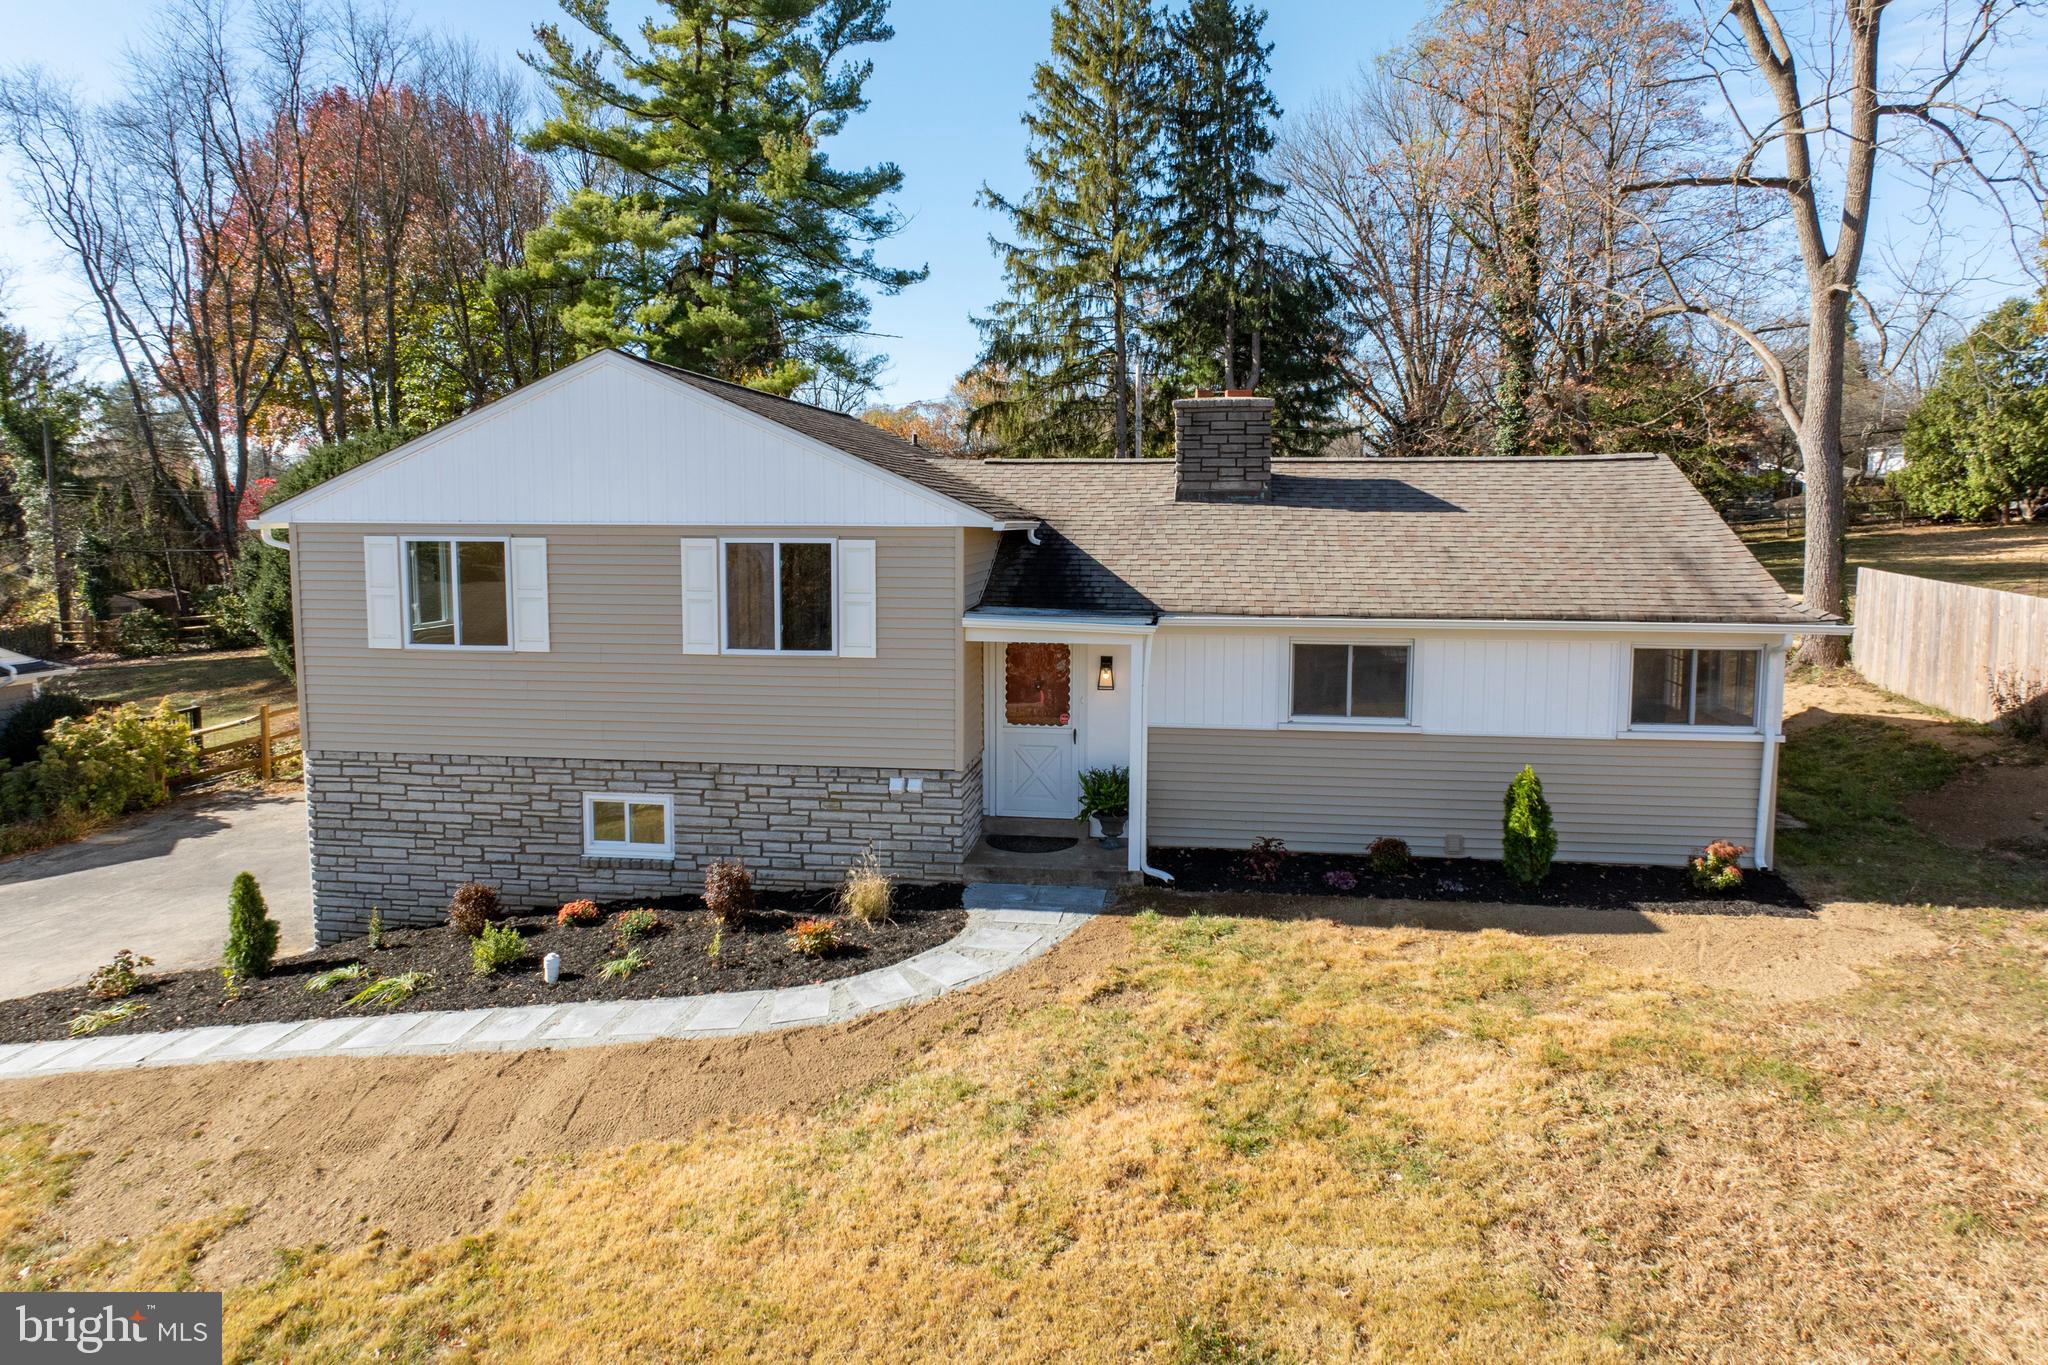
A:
(1060, 346)
(722, 239)
(1241, 312)
(252, 933)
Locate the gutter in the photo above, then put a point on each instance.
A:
(1450, 623)
(267, 532)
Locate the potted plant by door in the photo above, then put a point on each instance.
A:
(1106, 795)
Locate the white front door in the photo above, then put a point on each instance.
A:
(1038, 736)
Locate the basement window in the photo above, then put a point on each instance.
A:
(622, 825)
(1695, 687)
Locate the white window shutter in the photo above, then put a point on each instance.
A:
(529, 555)
(857, 599)
(380, 584)
(700, 595)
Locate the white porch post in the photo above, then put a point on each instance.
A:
(1134, 831)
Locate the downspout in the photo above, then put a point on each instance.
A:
(266, 533)
(1773, 727)
(1138, 830)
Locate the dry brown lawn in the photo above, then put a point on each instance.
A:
(1207, 1129)
(2014, 558)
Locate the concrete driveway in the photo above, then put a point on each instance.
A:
(157, 885)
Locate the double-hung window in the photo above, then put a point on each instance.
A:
(457, 594)
(1697, 687)
(1365, 682)
(778, 596)
(628, 825)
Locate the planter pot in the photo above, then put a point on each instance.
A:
(1112, 827)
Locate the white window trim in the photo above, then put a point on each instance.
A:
(593, 848)
(725, 599)
(455, 600)
(1404, 721)
(1691, 729)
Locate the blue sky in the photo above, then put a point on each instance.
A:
(944, 105)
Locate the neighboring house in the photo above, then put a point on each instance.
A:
(629, 619)
(22, 678)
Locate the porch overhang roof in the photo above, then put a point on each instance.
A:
(1051, 626)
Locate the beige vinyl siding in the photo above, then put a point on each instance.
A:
(1615, 800)
(973, 703)
(615, 682)
(979, 555)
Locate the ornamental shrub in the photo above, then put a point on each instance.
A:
(108, 763)
(633, 926)
(252, 933)
(120, 978)
(1719, 866)
(28, 725)
(473, 906)
(1390, 856)
(578, 912)
(1263, 860)
(499, 946)
(1528, 839)
(813, 937)
(227, 619)
(143, 633)
(728, 890)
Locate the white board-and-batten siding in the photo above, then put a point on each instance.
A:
(610, 442)
(1533, 686)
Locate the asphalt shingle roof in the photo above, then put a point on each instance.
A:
(854, 437)
(1607, 538)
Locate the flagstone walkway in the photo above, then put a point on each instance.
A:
(1006, 926)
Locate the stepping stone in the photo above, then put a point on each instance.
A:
(35, 1056)
(445, 1028)
(386, 1031)
(193, 1044)
(988, 938)
(873, 990)
(799, 1004)
(86, 1052)
(725, 1012)
(253, 1038)
(10, 1051)
(326, 1033)
(514, 1024)
(653, 1018)
(946, 967)
(583, 1021)
(138, 1047)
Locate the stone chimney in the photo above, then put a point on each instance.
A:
(1222, 447)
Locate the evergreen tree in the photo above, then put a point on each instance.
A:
(1978, 442)
(1059, 348)
(1528, 838)
(1241, 312)
(252, 933)
(723, 239)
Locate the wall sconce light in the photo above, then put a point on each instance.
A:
(1105, 676)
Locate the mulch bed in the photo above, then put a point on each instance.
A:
(1595, 886)
(754, 956)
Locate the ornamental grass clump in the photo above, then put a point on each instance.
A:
(1718, 868)
(813, 937)
(1528, 839)
(728, 890)
(473, 906)
(92, 1021)
(622, 967)
(252, 933)
(865, 894)
(390, 991)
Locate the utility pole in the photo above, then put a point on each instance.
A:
(59, 579)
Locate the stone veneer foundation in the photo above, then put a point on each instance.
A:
(399, 832)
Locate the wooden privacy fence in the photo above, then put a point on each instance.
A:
(1948, 644)
(255, 743)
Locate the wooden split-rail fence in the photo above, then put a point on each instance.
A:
(263, 743)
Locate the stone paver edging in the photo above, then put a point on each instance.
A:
(1006, 926)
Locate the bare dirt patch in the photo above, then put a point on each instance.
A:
(1997, 805)
(329, 1150)
(1814, 699)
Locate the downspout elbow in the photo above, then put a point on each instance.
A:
(268, 535)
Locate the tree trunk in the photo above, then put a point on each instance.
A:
(1119, 424)
(1820, 451)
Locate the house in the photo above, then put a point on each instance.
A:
(629, 619)
(22, 678)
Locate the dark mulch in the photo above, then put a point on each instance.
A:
(1595, 886)
(753, 956)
